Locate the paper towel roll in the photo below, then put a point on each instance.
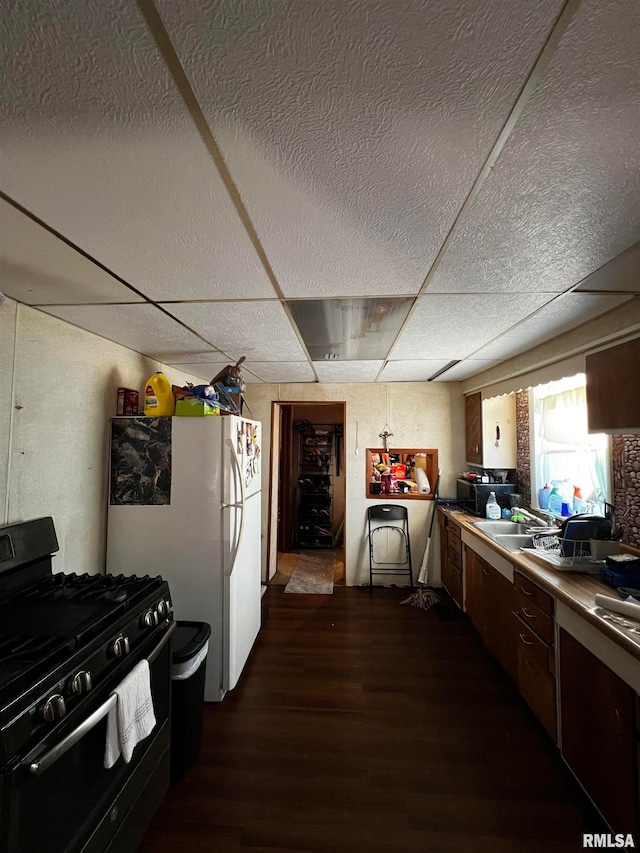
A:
(424, 487)
(618, 606)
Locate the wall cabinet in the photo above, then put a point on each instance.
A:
(490, 431)
(599, 738)
(613, 389)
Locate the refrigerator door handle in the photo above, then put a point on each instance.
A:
(239, 505)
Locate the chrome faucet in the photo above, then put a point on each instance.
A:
(545, 518)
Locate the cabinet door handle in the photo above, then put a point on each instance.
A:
(485, 572)
(531, 668)
(619, 722)
(525, 641)
(524, 591)
(527, 614)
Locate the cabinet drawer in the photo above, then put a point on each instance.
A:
(536, 681)
(534, 617)
(533, 593)
(455, 544)
(455, 557)
(453, 529)
(452, 582)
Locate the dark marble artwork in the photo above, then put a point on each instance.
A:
(140, 461)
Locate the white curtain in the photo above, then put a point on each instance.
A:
(564, 449)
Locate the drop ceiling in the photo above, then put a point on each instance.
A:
(208, 180)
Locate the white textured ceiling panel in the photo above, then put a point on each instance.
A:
(563, 197)
(142, 327)
(347, 371)
(98, 143)
(466, 368)
(620, 274)
(206, 357)
(411, 371)
(279, 371)
(564, 313)
(38, 268)
(355, 128)
(206, 372)
(447, 326)
(261, 331)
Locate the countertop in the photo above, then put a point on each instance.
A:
(576, 590)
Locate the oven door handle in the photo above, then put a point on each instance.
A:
(36, 768)
(239, 505)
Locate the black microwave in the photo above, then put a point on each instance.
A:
(474, 496)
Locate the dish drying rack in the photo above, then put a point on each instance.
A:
(568, 554)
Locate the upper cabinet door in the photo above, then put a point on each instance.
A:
(613, 389)
(473, 428)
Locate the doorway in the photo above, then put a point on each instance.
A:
(307, 486)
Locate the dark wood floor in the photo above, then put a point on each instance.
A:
(363, 727)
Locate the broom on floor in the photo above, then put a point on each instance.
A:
(424, 596)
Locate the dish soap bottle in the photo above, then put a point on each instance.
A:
(555, 501)
(493, 508)
(543, 496)
(158, 397)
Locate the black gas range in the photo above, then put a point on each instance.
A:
(65, 642)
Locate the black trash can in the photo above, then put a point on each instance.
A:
(189, 647)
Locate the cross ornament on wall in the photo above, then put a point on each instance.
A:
(385, 435)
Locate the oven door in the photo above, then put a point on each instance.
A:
(69, 802)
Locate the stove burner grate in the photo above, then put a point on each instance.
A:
(18, 654)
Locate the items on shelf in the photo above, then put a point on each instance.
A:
(315, 485)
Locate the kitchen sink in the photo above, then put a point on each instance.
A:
(514, 542)
(501, 528)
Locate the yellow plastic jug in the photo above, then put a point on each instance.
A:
(158, 397)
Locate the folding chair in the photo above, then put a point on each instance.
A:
(392, 517)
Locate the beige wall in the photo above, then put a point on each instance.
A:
(420, 414)
(57, 393)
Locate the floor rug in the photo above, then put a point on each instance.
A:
(313, 574)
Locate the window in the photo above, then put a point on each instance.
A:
(563, 450)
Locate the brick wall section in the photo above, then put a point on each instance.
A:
(626, 485)
(523, 447)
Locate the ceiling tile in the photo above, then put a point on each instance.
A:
(198, 368)
(453, 326)
(208, 357)
(347, 371)
(564, 313)
(279, 371)
(98, 143)
(261, 331)
(411, 371)
(466, 368)
(620, 274)
(36, 267)
(562, 199)
(354, 168)
(142, 327)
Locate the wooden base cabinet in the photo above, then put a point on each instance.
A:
(599, 738)
(451, 559)
(490, 605)
(536, 653)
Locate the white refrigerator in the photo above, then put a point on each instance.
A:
(185, 504)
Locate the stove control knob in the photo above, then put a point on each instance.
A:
(163, 608)
(81, 683)
(121, 647)
(148, 619)
(54, 708)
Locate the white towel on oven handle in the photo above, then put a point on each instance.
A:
(132, 718)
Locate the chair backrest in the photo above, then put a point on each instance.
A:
(387, 512)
